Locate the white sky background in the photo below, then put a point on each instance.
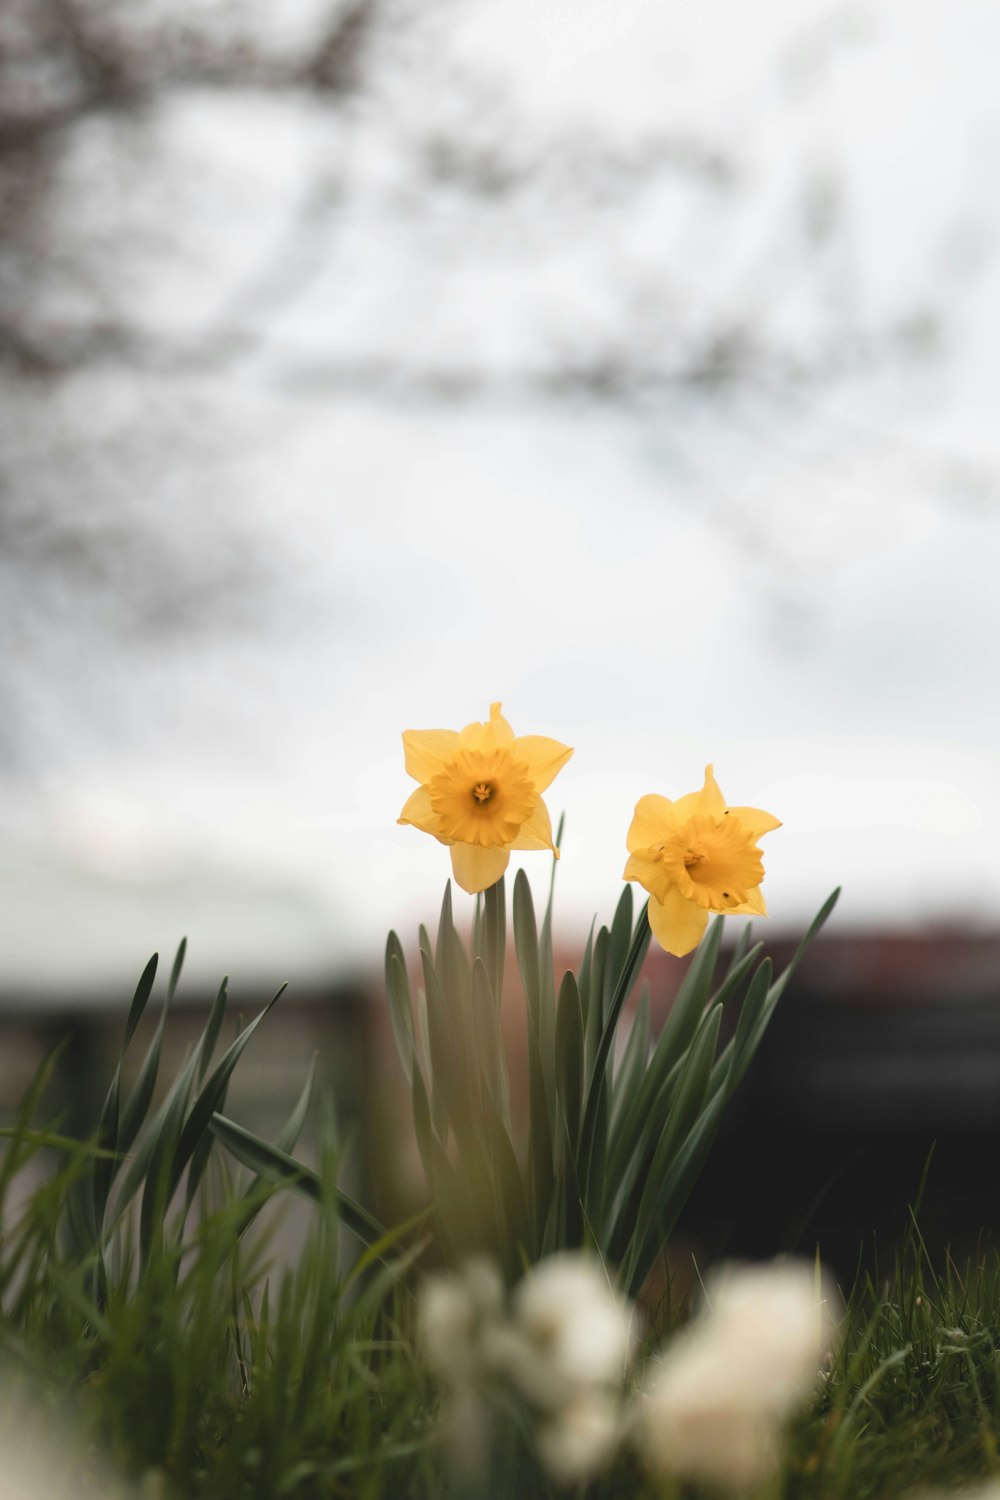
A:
(794, 578)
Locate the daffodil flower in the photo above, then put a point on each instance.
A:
(694, 856)
(480, 793)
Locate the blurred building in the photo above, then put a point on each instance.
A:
(877, 1087)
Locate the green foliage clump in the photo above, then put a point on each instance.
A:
(615, 1143)
(134, 1276)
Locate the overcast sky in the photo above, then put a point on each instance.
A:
(394, 506)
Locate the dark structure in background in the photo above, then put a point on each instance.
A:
(329, 1026)
(884, 1050)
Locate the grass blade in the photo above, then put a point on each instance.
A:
(397, 988)
(597, 1086)
(569, 1058)
(269, 1161)
(206, 1104)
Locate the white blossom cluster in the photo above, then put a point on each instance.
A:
(713, 1406)
(562, 1344)
(717, 1401)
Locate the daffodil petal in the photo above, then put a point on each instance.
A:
(478, 736)
(544, 758)
(754, 820)
(753, 906)
(476, 868)
(502, 732)
(654, 817)
(649, 872)
(536, 833)
(427, 750)
(487, 736)
(418, 811)
(678, 924)
(708, 802)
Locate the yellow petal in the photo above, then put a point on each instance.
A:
(708, 802)
(502, 732)
(496, 731)
(536, 833)
(427, 750)
(678, 924)
(649, 872)
(544, 758)
(476, 868)
(418, 811)
(753, 906)
(654, 817)
(754, 820)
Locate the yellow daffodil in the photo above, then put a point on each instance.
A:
(480, 793)
(694, 856)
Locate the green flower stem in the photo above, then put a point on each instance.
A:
(597, 1084)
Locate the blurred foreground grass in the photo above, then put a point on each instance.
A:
(146, 1328)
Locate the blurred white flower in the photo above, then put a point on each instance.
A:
(467, 1431)
(21, 1481)
(783, 1323)
(570, 1332)
(40, 1461)
(581, 1437)
(454, 1311)
(451, 1311)
(718, 1400)
(562, 1348)
(26, 1446)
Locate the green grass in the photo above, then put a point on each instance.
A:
(203, 1365)
(227, 1380)
(140, 1302)
(914, 1395)
(138, 1294)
